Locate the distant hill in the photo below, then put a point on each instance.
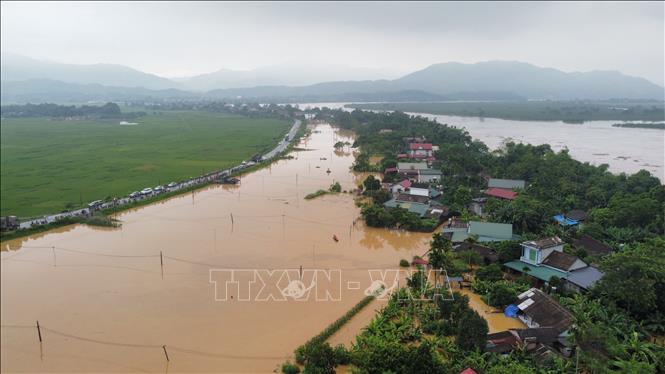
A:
(529, 81)
(46, 90)
(20, 68)
(494, 80)
(282, 75)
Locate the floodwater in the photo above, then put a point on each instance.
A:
(104, 304)
(597, 142)
(496, 320)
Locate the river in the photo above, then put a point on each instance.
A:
(104, 304)
(597, 142)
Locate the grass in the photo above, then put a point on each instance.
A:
(569, 111)
(51, 165)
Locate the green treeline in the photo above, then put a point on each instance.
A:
(567, 111)
(108, 110)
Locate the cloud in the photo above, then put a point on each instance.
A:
(176, 38)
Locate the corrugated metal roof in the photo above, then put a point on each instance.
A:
(585, 277)
(411, 165)
(506, 183)
(541, 272)
(503, 231)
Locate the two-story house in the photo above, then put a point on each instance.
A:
(545, 258)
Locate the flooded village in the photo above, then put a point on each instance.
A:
(137, 309)
(152, 279)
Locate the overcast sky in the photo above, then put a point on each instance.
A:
(176, 39)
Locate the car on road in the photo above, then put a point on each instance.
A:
(172, 184)
(146, 191)
(134, 194)
(95, 204)
(158, 189)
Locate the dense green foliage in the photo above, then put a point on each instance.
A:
(569, 111)
(616, 322)
(377, 216)
(51, 165)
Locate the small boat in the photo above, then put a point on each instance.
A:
(323, 158)
(335, 238)
(328, 171)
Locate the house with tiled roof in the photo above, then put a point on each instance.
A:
(420, 150)
(544, 258)
(592, 246)
(501, 193)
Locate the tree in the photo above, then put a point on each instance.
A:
(471, 331)
(633, 278)
(491, 273)
(319, 359)
(372, 184)
(462, 196)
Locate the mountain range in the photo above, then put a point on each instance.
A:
(25, 79)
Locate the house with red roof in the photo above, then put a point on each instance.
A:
(420, 150)
(501, 193)
(400, 187)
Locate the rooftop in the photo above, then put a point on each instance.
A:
(403, 197)
(543, 273)
(416, 146)
(592, 246)
(560, 260)
(576, 214)
(506, 183)
(428, 171)
(411, 165)
(490, 229)
(544, 243)
(585, 277)
(419, 208)
(544, 310)
(501, 193)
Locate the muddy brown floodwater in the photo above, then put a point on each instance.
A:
(102, 308)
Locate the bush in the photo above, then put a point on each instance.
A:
(490, 273)
(341, 355)
(403, 263)
(289, 368)
(335, 187)
(320, 359)
(471, 331)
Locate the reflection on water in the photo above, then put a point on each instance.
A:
(93, 287)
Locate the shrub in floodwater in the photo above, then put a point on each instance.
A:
(342, 355)
(404, 263)
(289, 368)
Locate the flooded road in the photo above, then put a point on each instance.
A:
(106, 304)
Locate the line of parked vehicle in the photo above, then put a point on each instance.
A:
(158, 190)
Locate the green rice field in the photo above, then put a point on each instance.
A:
(48, 165)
